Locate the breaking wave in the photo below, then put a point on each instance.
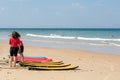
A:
(51, 36)
(69, 37)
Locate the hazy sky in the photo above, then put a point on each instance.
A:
(60, 13)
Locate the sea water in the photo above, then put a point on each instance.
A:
(106, 40)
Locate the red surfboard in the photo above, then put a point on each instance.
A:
(30, 59)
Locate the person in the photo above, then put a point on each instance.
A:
(21, 50)
(14, 43)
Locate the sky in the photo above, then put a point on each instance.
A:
(60, 13)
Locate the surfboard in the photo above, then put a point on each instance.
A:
(43, 65)
(52, 62)
(53, 68)
(30, 56)
(34, 59)
(34, 56)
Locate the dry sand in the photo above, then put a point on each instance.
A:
(92, 66)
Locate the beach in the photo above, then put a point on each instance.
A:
(92, 65)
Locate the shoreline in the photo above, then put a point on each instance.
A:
(79, 46)
(71, 45)
(92, 65)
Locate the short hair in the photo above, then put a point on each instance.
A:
(15, 34)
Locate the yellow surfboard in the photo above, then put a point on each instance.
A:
(53, 68)
(36, 63)
(43, 65)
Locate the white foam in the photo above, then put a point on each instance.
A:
(97, 39)
(114, 44)
(51, 36)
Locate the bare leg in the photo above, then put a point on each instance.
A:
(22, 57)
(10, 61)
(14, 62)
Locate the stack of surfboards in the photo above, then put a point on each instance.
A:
(34, 59)
(33, 63)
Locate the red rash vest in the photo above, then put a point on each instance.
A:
(21, 43)
(14, 42)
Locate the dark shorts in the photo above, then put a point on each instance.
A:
(13, 51)
(21, 49)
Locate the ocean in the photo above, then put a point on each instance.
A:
(105, 40)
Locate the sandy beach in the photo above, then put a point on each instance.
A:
(92, 65)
